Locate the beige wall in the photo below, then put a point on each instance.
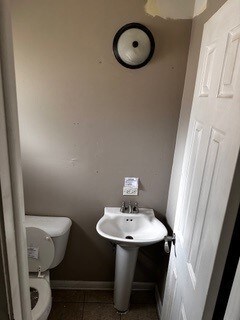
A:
(195, 44)
(86, 122)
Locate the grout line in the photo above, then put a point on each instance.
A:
(83, 310)
(84, 302)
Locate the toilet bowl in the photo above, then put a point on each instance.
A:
(47, 239)
(42, 306)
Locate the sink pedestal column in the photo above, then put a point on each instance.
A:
(126, 258)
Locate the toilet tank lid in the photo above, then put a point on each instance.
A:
(54, 226)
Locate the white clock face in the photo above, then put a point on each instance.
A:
(133, 45)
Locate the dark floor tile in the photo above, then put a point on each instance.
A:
(105, 296)
(100, 311)
(66, 311)
(68, 295)
(141, 312)
(143, 296)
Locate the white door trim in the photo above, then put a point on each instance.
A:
(11, 174)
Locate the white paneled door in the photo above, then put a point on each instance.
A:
(210, 159)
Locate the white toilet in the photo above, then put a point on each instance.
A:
(47, 239)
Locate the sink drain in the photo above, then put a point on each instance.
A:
(129, 237)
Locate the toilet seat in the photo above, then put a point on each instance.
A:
(42, 308)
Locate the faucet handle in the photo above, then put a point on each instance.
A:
(123, 207)
(135, 207)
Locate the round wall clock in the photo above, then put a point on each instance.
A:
(133, 45)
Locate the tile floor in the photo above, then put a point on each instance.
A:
(98, 305)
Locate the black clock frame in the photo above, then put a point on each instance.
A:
(126, 27)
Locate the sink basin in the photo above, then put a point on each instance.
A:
(131, 229)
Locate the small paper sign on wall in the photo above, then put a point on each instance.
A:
(130, 186)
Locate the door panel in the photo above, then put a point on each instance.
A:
(170, 292)
(207, 70)
(182, 313)
(232, 57)
(201, 212)
(210, 158)
(191, 170)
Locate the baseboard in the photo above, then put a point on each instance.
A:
(96, 285)
(158, 302)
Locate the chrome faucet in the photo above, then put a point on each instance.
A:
(130, 207)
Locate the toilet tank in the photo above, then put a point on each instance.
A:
(58, 229)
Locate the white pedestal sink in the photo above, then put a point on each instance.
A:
(129, 231)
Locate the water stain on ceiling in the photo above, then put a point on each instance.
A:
(175, 9)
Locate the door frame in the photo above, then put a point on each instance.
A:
(11, 176)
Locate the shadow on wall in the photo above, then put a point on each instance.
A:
(86, 258)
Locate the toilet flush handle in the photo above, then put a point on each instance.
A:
(40, 272)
